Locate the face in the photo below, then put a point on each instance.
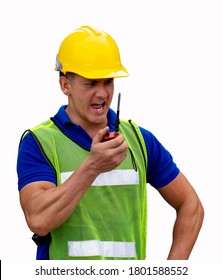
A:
(88, 100)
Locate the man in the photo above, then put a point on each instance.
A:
(83, 197)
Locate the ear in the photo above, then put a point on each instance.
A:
(64, 85)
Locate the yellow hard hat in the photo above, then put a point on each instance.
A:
(90, 53)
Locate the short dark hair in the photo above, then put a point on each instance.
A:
(67, 74)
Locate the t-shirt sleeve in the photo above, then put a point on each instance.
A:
(161, 168)
(32, 166)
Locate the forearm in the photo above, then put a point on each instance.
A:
(186, 229)
(49, 207)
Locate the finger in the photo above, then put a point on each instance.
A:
(99, 136)
(115, 142)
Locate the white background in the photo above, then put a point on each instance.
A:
(172, 50)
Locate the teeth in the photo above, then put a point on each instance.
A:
(98, 106)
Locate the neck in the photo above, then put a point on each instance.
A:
(92, 131)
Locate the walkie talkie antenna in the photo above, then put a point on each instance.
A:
(117, 114)
(113, 134)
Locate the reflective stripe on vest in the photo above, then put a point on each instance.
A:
(111, 178)
(101, 248)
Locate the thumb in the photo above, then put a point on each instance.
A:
(99, 136)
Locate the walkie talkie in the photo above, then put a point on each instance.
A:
(111, 135)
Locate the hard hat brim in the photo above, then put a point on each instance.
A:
(100, 74)
(105, 74)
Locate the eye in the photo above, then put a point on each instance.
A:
(108, 82)
(91, 83)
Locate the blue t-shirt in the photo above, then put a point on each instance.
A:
(32, 166)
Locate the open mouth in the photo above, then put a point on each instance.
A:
(98, 106)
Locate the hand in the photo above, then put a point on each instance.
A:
(106, 156)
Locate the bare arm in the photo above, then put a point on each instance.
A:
(183, 198)
(46, 206)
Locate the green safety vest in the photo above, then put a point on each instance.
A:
(110, 220)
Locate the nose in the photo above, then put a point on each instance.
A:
(101, 90)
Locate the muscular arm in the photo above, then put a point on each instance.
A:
(46, 206)
(183, 198)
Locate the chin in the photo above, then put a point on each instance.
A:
(99, 121)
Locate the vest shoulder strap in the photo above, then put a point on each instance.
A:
(140, 140)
